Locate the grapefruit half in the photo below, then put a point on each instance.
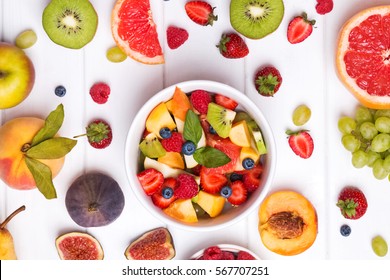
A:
(363, 56)
(135, 32)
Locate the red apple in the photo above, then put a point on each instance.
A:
(17, 75)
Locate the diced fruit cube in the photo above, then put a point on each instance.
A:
(158, 118)
(180, 104)
(151, 147)
(239, 134)
(211, 203)
(182, 210)
(173, 159)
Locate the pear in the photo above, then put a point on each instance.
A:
(7, 249)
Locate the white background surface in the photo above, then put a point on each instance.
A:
(309, 77)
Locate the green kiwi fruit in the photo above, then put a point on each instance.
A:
(220, 119)
(70, 23)
(151, 147)
(256, 19)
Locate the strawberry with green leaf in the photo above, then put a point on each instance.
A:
(200, 12)
(231, 45)
(99, 134)
(268, 81)
(352, 203)
(299, 29)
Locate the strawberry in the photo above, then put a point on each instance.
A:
(100, 92)
(173, 143)
(299, 29)
(151, 180)
(186, 186)
(352, 203)
(268, 81)
(99, 134)
(239, 193)
(212, 182)
(225, 101)
(176, 36)
(200, 100)
(242, 255)
(301, 143)
(231, 45)
(324, 6)
(158, 198)
(251, 178)
(201, 12)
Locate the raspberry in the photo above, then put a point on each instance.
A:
(100, 92)
(174, 143)
(227, 256)
(186, 186)
(212, 253)
(242, 255)
(324, 6)
(200, 99)
(176, 37)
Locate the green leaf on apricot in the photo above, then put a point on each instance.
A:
(53, 123)
(42, 176)
(210, 157)
(192, 127)
(53, 148)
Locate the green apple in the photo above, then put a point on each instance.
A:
(17, 75)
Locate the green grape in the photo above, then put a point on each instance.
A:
(359, 159)
(378, 169)
(368, 130)
(26, 39)
(386, 163)
(379, 246)
(372, 157)
(382, 113)
(350, 142)
(363, 114)
(380, 143)
(382, 124)
(346, 125)
(115, 54)
(301, 115)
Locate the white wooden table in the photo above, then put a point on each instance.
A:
(309, 77)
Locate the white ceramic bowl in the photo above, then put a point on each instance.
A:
(227, 217)
(225, 247)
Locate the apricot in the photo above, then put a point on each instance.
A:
(287, 223)
(14, 135)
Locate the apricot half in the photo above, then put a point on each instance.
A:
(287, 223)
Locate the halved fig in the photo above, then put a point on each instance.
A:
(94, 200)
(78, 246)
(153, 245)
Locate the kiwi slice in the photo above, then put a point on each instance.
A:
(256, 19)
(220, 118)
(70, 23)
(151, 147)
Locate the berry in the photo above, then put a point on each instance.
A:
(324, 6)
(212, 130)
(268, 81)
(235, 177)
(242, 255)
(186, 186)
(201, 12)
(163, 197)
(60, 91)
(251, 178)
(239, 193)
(226, 255)
(226, 191)
(299, 29)
(211, 181)
(176, 37)
(345, 230)
(165, 132)
(188, 148)
(174, 143)
(248, 163)
(225, 101)
(200, 100)
(212, 253)
(301, 143)
(352, 203)
(231, 45)
(167, 192)
(151, 180)
(99, 134)
(100, 92)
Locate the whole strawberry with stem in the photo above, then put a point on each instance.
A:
(352, 203)
(299, 28)
(99, 134)
(231, 45)
(268, 81)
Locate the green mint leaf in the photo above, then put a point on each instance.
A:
(53, 123)
(53, 148)
(192, 127)
(210, 157)
(42, 176)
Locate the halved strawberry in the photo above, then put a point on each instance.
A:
(151, 180)
(299, 29)
(158, 198)
(200, 12)
(211, 181)
(239, 193)
(301, 143)
(226, 102)
(252, 178)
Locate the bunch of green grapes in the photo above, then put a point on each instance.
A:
(367, 137)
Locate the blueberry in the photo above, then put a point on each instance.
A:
(235, 177)
(188, 148)
(212, 130)
(345, 230)
(165, 133)
(248, 163)
(167, 192)
(226, 191)
(60, 91)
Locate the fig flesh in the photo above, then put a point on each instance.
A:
(153, 245)
(78, 246)
(94, 200)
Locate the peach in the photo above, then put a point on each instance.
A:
(14, 135)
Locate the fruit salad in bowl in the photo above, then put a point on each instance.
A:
(200, 155)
